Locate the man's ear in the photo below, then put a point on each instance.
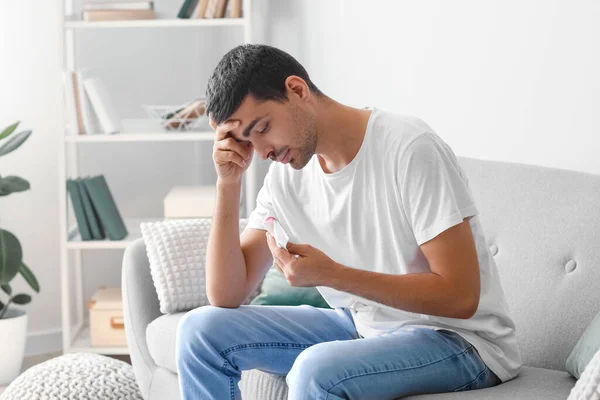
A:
(297, 86)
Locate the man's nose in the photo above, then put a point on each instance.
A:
(262, 152)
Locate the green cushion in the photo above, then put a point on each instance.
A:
(586, 347)
(276, 291)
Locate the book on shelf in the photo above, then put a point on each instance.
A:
(236, 9)
(117, 15)
(104, 204)
(214, 7)
(89, 106)
(200, 9)
(73, 114)
(118, 5)
(88, 117)
(95, 210)
(91, 214)
(77, 204)
(102, 104)
(218, 9)
(187, 8)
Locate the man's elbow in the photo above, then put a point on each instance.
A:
(222, 302)
(470, 308)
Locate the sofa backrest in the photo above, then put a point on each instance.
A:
(545, 224)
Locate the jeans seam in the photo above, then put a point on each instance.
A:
(231, 389)
(263, 345)
(399, 369)
(474, 380)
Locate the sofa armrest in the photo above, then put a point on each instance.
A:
(140, 307)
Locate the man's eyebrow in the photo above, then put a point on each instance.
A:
(251, 126)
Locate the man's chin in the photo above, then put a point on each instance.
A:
(296, 165)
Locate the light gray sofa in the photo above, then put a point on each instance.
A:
(543, 227)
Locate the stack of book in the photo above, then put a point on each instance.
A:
(115, 10)
(95, 210)
(209, 9)
(89, 107)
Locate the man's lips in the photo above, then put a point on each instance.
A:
(284, 157)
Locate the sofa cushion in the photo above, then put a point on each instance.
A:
(584, 350)
(160, 336)
(176, 252)
(277, 291)
(588, 386)
(531, 383)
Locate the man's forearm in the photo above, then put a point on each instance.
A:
(225, 264)
(425, 293)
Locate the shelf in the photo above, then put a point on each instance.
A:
(72, 22)
(132, 225)
(143, 137)
(144, 130)
(82, 343)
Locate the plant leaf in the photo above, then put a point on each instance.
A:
(9, 130)
(21, 299)
(13, 184)
(11, 256)
(1, 305)
(7, 289)
(29, 277)
(14, 142)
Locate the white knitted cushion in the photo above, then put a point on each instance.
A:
(588, 385)
(78, 376)
(177, 252)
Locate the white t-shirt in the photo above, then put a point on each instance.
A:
(403, 188)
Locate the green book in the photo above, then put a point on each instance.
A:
(82, 225)
(104, 204)
(90, 212)
(187, 8)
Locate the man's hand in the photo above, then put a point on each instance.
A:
(231, 158)
(301, 264)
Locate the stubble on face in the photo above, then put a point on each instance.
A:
(305, 130)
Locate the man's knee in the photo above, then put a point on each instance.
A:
(315, 367)
(198, 326)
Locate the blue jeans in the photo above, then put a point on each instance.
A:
(321, 355)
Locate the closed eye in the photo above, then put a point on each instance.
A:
(265, 129)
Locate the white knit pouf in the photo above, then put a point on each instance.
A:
(75, 376)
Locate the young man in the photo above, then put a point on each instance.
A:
(381, 220)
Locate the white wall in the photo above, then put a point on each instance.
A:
(505, 80)
(29, 91)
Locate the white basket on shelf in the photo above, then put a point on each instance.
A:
(182, 117)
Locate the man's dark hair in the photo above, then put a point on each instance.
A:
(259, 70)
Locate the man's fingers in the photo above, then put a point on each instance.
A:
(231, 144)
(272, 245)
(224, 128)
(212, 123)
(224, 157)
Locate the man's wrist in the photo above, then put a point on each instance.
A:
(229, 185)
(332, 273)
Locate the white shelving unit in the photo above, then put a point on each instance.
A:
(76, 334)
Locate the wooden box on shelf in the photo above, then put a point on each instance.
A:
(107, 327)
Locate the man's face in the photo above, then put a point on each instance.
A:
(284, 132)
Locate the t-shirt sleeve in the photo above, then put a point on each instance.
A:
(434, 189)
(264, 205)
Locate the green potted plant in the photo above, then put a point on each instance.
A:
(13, 321)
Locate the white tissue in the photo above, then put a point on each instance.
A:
(275, 229)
